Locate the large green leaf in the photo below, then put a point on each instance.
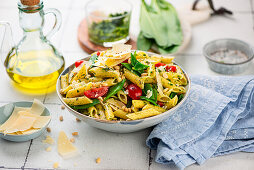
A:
(159, 21)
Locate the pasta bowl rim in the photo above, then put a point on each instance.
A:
(121, 121)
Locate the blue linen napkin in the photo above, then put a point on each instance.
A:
(216, 119)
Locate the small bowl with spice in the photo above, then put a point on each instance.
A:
(108, 21)
(228, 56)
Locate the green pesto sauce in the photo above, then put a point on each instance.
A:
(110, 30)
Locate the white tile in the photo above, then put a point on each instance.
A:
(233, 5)
(117, 151)
(239, 26)
(234, 161)
(69, 40)
(12, 154)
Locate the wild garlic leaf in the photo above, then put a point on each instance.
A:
(144, 43)
(159, 21)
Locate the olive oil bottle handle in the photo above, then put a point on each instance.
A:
(6, 40)
(58, 21)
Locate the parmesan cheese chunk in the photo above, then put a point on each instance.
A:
(22, 123)
(65, 148)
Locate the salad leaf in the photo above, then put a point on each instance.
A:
(85, 106)
(153, 98)
(129, 67)
(149, 100)
(93, 58)
(180, 97)
(137, 66)
(172, 95)
(160, 26)
(114, 89)
(143, 42)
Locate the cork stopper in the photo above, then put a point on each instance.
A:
(30, 2)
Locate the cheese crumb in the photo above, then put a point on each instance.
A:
(55, 165)
(63, 107)
(98, 160)
(149, 93)
(48, 140)
(48, 130)
(78, 120)
(75, 134)
(61, 118)
(72, 140)
(48, 149)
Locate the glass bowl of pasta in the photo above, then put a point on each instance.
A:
(122, 90)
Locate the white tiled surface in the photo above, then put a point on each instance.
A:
(117, 151)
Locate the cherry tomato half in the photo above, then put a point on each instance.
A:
(77, 63)
(159, 64)
(98, 53)
(171, 68)
(97, 92)
(160, 103)
(134, 91)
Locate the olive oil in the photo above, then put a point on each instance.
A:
(34, 69)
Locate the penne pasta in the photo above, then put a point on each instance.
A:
(104, 72)
(122, 96)
(81, 73)
(134, 78)
(77, 101)
(149, 106)
(121, 114)
(93, 112)
(139, 103)
(171, 103)
(108, 112)
(100, 111)
(64, 81)
(143, 114)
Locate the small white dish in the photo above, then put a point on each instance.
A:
(4, 117)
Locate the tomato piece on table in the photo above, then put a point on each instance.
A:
(98, 53)
(97, 92)
(171, 68)
(134, 91)
(77, 63)
(159, 64)
(160, 103)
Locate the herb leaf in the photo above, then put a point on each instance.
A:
(85, 106)
(93, 58)
(114, 89)
(137, 66)
(149, 100)
(129, 67)
(172, 95)
(153, 98)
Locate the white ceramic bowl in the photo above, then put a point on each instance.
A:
(121, 126)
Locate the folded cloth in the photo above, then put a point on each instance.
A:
(216, 119)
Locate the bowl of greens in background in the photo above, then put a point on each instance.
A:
(108, 21)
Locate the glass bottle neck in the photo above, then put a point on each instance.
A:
(31, 19)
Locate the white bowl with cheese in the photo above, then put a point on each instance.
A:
(23, 121)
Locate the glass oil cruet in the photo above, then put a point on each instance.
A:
(34, 63)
